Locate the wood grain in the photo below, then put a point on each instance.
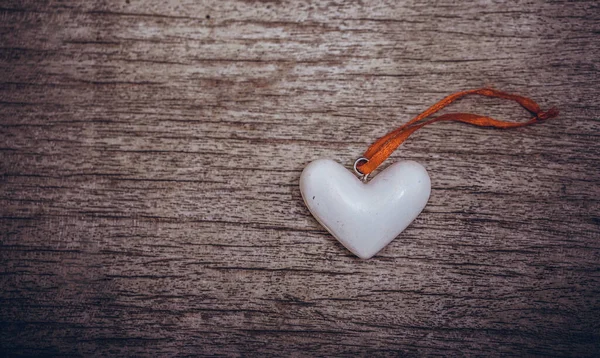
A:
(150, 154)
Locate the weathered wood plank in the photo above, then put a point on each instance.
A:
(150, 154)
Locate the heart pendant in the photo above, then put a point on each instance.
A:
(365, 217)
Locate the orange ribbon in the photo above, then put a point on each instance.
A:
(385, 146)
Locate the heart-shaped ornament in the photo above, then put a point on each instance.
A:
(365, 217)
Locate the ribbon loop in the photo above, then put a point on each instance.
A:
(379, 151)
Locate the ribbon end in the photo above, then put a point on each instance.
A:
(551, 113)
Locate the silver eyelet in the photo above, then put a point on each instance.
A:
(362, 176)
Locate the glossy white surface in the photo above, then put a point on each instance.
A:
(365, 217)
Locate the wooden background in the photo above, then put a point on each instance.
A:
(151, 150)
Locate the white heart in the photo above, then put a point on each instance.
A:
(365, 217)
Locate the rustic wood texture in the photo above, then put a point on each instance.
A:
(151, 151)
